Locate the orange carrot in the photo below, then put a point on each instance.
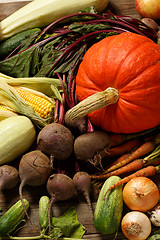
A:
(118, 160)
(110, 165)
(119, 138)
(123, 148)
(145, 148)
(130, 167)
(144, 172)
(133, 166)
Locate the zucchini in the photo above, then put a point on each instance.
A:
(43, 212)
(108, 210)
(43, 12)
(7, 46)
(11, 219)
(17, 136)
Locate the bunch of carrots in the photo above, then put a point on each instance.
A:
(135, 158)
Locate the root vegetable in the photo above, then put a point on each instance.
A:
(34, 170)
(80, 124)
(124, 148)
(9, 177)
(150, 23)
(83, 184)
(56, 140)
(139, 152)
(155, 215)
(141, 194)
(92, 146)
(151, 159)
(60, 187)
(144, 172)
(136, 226)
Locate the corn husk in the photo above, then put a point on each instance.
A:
(6, 113)
(10, 98)
(51, 87)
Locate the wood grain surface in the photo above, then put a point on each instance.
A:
(33, 194)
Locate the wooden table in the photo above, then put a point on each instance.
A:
(123, 7)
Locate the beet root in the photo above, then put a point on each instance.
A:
(60, 187)
(80, 124)
(83, 184)
(92, 146)
(56, 140)
(9, 177)
(34, 170)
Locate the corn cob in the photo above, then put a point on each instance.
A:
(42, 106)
(6, 112)
(49, 86)
(10, 98)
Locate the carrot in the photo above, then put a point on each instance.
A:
(113, 163)
(138, 153)
(119, 138)
(120, 159)
(123, 148)
(144, 172)
(152, 159)
(135, 165)
(130, 167)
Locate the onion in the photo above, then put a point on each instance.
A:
(148, 8)
(155, 215)
(136, 225)
(141, 194)
(150, 23)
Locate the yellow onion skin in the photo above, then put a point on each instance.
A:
(141, 194)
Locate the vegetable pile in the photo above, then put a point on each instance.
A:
(79, 110)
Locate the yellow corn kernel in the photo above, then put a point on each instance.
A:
(6, 112)
(43, 107)
(2, 107)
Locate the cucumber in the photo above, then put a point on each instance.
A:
(108, 209)
(11, 219)
(7, 46)
(43, 212)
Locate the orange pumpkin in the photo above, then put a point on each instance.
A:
(121, 73)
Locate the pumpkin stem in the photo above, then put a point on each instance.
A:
(94, 102)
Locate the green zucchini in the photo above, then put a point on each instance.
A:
(108, 210)
(11, 219)
(7, 46)
(43, 212)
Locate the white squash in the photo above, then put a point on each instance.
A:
(42, 12)
(17, 135)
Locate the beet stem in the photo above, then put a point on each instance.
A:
(22, 184)
(52, 200)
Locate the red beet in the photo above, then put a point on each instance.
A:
(56, 140)
(83, 184)
(9, 177)
(34, 170)
(60, 187)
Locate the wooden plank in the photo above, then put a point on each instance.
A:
(9, 7)
(33, 194)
